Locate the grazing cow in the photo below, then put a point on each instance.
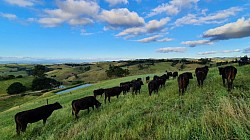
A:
(147, 79)
(84, 103)
(183, 81)
(98, 92)
(175, 74)
(34, 115)
(115, 91)
(137, 86)
(229, 73)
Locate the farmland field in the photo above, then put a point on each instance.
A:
(202, 113)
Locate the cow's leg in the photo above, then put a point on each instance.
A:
(44, 121)
(117, 96)
(109, 99)
(105, 99)
(18, 128)
(223, 80)
(76, 113)
(23, 127)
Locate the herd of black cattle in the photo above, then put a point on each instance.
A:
(43, 112)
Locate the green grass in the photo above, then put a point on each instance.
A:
(202, 113)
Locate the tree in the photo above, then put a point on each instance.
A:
(16, 88)
(116, 71)
(41, 83)
(39, 71)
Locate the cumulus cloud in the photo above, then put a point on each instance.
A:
(172, 49)
(21, 3)
(197, 42)
(151, 27)
(8, 16)
(173, 7)
(238, 29)
(115, 2)
(73, 12)
(121, 18)
(218, 17)
(247, 50)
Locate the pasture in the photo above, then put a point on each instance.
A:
(202, 113)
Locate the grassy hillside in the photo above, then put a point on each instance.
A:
(202, 113)
(26, 81)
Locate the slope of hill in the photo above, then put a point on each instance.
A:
(202, 113)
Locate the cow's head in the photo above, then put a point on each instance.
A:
(57, 105)
(98, 104)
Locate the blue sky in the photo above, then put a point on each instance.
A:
(123, 29)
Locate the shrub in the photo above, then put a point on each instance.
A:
(16, 88)
(44, 83)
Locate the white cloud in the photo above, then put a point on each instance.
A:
(8, 16)
(154, 38)
(197, 42)
(238, 29)
(115, 2)
(231, 51)
(21, 3)
(208, 52)
(172, 49)
(151, 27)
(218, 17)
(165, 40)
(73, 12)
(149, 39)
(121, 18)
(173, 7)
(216, 52)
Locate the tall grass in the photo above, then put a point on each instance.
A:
(202, 113)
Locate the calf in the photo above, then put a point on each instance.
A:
(34, 115)
(98, 92)
(183, 81)
(115, 91)
(84, 103)
(153, 86)
(203, 69)
(125, 88)
(229, 73)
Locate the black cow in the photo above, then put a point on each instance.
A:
(183, 81)
(137, 86)
(98, 92)
(201, 74)
(125, 87)
(169, 74)
(115, 91)
(204, 69)
(147, 79)
(34, 115)
(84, 103)
(153, 86)
(175, 74)
(229, 73)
